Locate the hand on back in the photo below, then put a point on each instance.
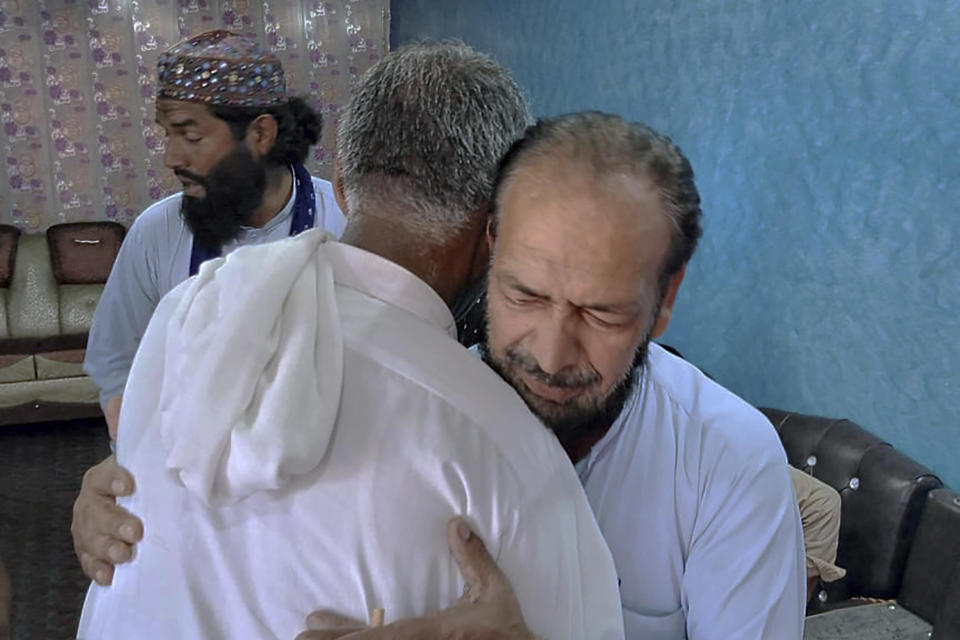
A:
(488, 609)
(104, 534)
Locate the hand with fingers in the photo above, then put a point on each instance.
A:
(104, 533)
(488, 609)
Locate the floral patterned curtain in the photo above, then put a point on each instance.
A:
(77, 80)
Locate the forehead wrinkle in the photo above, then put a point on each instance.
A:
(557, 258)
(549, 207)
(579, 235)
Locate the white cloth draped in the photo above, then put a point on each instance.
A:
(248, 351)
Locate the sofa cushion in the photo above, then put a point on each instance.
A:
(934, 557)
(60, 364)
(77, 304)
(17, 368)
(882, 494)
(947, 624)
(80, 390)
(8, 253)
(32, 299)
(83, 252)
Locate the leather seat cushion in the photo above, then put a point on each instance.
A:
(83, 252)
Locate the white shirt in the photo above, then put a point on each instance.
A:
(153, 259)
(691, 490)
(420, 431)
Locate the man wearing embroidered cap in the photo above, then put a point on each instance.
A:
(237, 143)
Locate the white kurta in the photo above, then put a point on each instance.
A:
(691, 490)
(421, 431)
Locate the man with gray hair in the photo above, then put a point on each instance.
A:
(302, 422)
(424, 161)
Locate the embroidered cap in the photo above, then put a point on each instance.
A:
(221, 67)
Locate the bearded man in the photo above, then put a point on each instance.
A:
(237, 143)
(594, 222)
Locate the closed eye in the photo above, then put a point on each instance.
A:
(606, 321)
(523, 301)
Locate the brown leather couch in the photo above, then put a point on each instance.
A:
(899, 535)
(49, 287)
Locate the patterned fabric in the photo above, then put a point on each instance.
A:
(221, 67)
(78, 85)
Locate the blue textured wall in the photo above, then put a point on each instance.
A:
(826, 140)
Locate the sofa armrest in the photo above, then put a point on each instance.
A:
(33, 302)
(933, 566)
(9, 239)
(882, 494)
(947, 624)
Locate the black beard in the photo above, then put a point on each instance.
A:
(580, 421)
(233, 190)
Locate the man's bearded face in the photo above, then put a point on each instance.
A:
(574, 292)
(232, 191)
(587, 409)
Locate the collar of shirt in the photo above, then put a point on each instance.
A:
(282, 217)
(388, 282)
(585, 465)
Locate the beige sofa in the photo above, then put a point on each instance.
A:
(49, 287)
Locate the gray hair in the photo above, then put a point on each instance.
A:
(607, 144)
(423, 134)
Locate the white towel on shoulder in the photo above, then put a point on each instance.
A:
(253, 368)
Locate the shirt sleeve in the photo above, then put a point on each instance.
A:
(129, 297)
(744, 576)
(560, 567)
(329, 217)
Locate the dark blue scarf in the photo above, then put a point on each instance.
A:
(304, 214)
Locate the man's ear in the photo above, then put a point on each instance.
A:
(262, 135)
(666, 304)
(338, 193)
(481, 254)
(491, 232)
